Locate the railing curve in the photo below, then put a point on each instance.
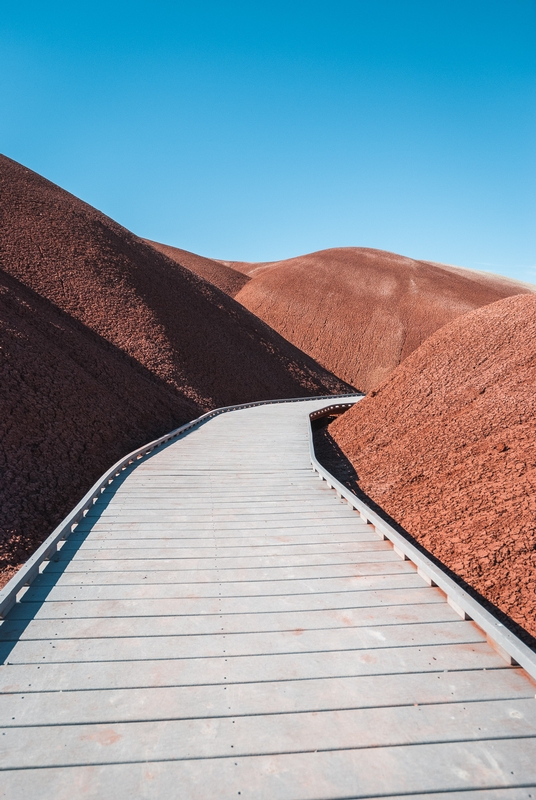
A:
(30, 569)
(510, 646)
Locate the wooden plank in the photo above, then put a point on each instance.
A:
(343, 729)
(392, 566)
(207, 490)
(188, 702)
(252, 524)
(383, 554)
(247, 669)
(241, 503)
(232, 623)
(225, 520)
(206, 511)
(107, 538)
(225, 605)
(232, 645)
(222, 552)
(189, 503)
(217, 589)
(357, 774)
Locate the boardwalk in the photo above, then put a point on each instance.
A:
(220, 626)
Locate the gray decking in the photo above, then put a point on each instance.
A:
(221, 625)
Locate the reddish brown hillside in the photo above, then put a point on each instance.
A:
(178, 326)
(248, 268)
(104, 344)
(225, 278)
(360, 312)
(71, 405)
(447, 446)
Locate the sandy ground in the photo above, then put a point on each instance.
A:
(106, 343)
(447, 446)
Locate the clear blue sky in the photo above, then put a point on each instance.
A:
(259, 131)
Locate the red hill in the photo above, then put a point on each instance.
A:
(72, 404)
(447, 447)
(360, 312)
(224, 277)
(107, 343)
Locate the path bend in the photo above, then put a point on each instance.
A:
(221, 625)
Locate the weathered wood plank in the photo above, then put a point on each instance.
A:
(383, 554)
(206, 624)
(140, 538)
(224, 605)
(191, 702)
(393, 726)
(246, 669)
(232, 645)
(210, 551)
(358, 774)
(218, 589)
(253, 524)
(391, 566)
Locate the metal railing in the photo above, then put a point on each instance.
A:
(506, 643)
(502, 639)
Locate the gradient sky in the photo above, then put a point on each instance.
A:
(258, 131)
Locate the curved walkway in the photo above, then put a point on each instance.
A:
(221, 625)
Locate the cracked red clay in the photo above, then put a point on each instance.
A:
(447, 447)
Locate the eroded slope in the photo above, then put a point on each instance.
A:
(225, 278)
(447, 446)
(360, 312)
(71, 405)
(180, 327)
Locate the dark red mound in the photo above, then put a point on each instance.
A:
(142, 345)
(447, 447)
(225, 278)
(71, 405)
(177, 325)
(360, 312)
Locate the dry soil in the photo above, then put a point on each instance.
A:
(447, 446)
